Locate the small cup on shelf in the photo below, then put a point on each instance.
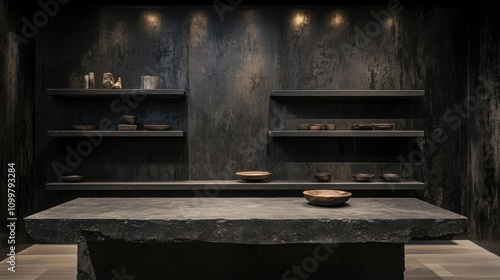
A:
(129, 119)
(331, 126)
(321, 126)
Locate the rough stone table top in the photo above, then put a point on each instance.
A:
(242, 220)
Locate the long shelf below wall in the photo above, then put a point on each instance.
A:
(234, 185)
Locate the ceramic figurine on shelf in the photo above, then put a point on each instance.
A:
(86, 82)
(91, 80)
(118, 84)
(107, 80)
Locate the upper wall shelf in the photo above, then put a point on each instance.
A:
(283, 94)
(95, 93)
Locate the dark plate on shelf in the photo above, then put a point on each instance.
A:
(383, 126)
(84, 127)
(253, 176)
(327, 197)
(390, 177)
(362, 126)
(363, 177)
(303, 126)
(127, 127)
(72, 178)
(157, 126)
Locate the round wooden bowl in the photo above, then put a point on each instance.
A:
(253, 176)
(327, 197)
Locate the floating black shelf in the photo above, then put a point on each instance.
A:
(233, 185)
(115, 133)
(347, 133)
(105, 93)
(277, 94)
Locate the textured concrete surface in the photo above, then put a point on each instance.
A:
(16, 121)
(242, 220)
(483, 191)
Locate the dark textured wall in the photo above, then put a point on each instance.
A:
(16, 121)
(483, 188)
(440, 64)
(230, 66)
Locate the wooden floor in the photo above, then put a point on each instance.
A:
(430, 260)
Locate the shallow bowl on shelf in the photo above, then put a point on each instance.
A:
(363, 177)
(383, 126)
(127, 127)
(72, 178)
(314, 127)
(157, 126)
(253, 176)
(390, 177)
(321, 126)
(327, 197)
(303, 126)
(84, 127)
(362, 126)
(323, 176)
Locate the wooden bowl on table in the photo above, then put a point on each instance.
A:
(327, 197)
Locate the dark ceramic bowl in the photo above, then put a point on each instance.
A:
(363, 177)
(390, 177)
(323, 176)
(72, 178)
(303, 126)
(327, 197)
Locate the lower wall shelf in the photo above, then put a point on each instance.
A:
(233, 185)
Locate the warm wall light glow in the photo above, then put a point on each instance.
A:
(336, 19)
(152, 21)
(300, 19)
(199, 28)
(389, 22)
